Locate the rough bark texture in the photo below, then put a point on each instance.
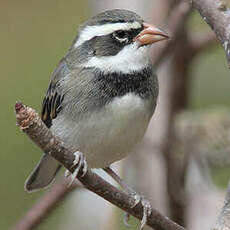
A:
(223, 221)
(217, 14)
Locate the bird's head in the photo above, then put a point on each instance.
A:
(115, 40)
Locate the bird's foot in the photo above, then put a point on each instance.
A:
(126, 219)
(78, 164)
(147, 209)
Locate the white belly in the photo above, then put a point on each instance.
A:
(108, 135)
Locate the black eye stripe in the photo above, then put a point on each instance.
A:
(130, 34)
(120, 35)
(107, 45)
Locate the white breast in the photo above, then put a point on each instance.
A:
(109, 134)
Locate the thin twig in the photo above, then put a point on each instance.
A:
(30, 123)
(43, 207)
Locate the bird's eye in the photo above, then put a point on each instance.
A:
(120, 35)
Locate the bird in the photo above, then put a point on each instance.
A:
(102, 94)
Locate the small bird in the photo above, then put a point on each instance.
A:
(102, 94)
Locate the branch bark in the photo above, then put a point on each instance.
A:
(223, 221)
(216, 14)
(30, 123)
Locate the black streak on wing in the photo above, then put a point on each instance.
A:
(51, 105)
(52, 102)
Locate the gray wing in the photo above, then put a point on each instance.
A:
(47, 168)
(52, 102)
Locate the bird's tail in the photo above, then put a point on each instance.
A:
(43, 174)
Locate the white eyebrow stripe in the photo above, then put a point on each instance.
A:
(99, 30)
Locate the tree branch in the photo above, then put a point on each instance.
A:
(200, 41)
(216, 14)
(42, 208)
(30, 123)
(223, 221)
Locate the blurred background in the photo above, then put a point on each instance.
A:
(182, 165)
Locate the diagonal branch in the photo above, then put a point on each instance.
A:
(30, 123)
(42, 208)
(223, 221)
(216, 14)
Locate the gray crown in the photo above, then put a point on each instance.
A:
(114, 16)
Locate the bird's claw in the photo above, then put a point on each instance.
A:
(126, 219)
(79, 164)
(67, 173)
(147, 209)
(137, 199)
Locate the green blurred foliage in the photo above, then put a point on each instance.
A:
(34, 36)
(209, 74)
(210, 80)
(220, 176)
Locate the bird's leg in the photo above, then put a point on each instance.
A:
(127, 189)
(78, 164)
(147, 209)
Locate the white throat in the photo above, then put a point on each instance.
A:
(131, 58)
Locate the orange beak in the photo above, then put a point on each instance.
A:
(150, 34)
